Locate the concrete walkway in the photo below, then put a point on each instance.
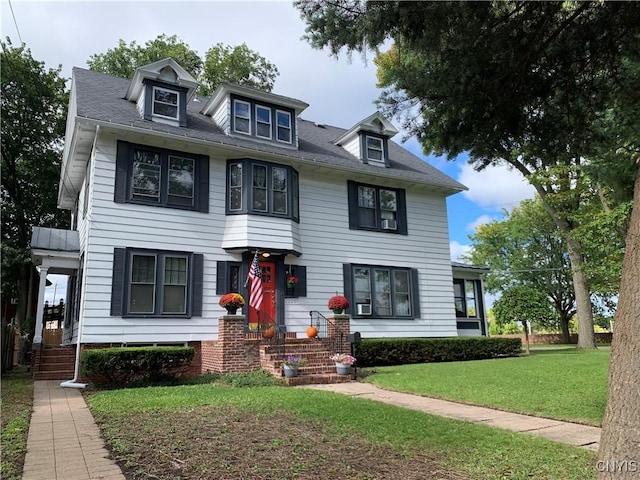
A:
(64, 441)
(571, 433)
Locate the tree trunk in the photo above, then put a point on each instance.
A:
(586, 338)
(564, 328)
(619, 455)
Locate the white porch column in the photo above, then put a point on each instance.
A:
(37, 338)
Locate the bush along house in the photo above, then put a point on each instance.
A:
(177, 200)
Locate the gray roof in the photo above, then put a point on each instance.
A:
(467, 266)
(43, 238)
(100, 98)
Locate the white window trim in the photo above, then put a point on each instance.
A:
(268, 109)
(235, 116)
(288, 114)
(241, 186)
(131, 283)
(154, 101)
(164, 285)
(367, 148)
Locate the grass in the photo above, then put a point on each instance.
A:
(15, 411)
(221, 431)
(562, 384)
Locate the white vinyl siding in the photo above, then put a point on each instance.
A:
(322, 236)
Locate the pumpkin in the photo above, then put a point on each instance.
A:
(268, 333)
(312, 331)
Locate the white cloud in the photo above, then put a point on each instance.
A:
(457, 250)
(481, 220)
(495, 186)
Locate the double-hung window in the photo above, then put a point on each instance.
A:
(381, 291)
(466, 294)
(262, 188)
(375, 148)
(283, 121)
(156, 283)
(165, 103)
(377, 208)
(154, 176)
(263, 122)
(242, 117)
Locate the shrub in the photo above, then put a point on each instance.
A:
(124, 365)
(399, 351)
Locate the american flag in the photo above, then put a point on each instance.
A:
(255, 289)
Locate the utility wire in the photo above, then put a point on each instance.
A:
(15, 22)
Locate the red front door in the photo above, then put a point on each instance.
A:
(267, 314)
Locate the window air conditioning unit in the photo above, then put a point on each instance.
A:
(389, 224)
(364, 309)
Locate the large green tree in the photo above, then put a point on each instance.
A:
(524, 83)
(530, 84)
(222, 63)
(34, 102)
(526, 250)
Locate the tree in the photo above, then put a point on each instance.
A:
(523, 303)
(518, 82)
(222, 63)
(123, 60)
(240, 65)
(526, 250)
(34, 102)
(529, 83)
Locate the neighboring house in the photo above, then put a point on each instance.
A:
(172, 195)
(468, 295)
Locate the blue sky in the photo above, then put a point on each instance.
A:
(340, 92)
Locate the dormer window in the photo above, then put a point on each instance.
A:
(242, 117)
(165, 103)
(283, 126)
(263, 122)
(375, 148)
(257, 120)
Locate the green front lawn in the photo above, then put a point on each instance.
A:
(15, 412)
(217, 431)
(562, 384)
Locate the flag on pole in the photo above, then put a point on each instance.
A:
(255, 288)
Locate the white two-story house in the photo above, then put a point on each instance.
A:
(172, 195)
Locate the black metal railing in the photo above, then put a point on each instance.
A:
(333, 343)
(273, 335)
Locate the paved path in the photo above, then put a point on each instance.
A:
(571, 433)
(64, 441)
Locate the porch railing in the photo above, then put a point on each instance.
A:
(332, 343)
(277, 341)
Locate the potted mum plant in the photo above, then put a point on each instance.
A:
(338, 304)
(231, 302)
(291, 363)
(343, 362)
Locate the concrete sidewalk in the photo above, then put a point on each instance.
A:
(570, 433)
(64, 441)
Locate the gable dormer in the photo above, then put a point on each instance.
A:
(247, 112)
(161, 91)
(368, 140)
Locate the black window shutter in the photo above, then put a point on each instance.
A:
(402, 212)
(300, 272)
(117, 281)
(352, 192)
(222, 278)
(203, 186)
(415, 293)
(348, 290)
(198, 279)
(122, 162)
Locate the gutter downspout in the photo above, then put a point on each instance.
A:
(73, 383)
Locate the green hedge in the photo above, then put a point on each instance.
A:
(123, 365)
(399, 351)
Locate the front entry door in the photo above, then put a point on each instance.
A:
(267, 313)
